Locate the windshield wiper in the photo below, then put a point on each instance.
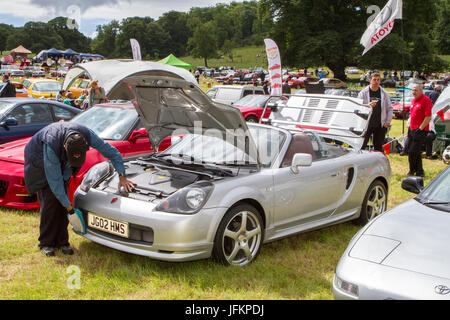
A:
(235, 164)
(211, 168)
(436, 202)
(193, 163)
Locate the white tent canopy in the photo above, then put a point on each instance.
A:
(110, 73)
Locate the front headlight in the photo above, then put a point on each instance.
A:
(95, 175)
(347, 287)
(188, 200)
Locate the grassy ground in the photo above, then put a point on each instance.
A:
(299, 267)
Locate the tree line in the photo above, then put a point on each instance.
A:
(310, 33)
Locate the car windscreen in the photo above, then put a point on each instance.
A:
(4, 107)
(110, 123)
(47, 87)
(256, 101)
(228, 93)
(214, 149)
(438, 191)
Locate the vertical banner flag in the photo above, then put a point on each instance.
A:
(440, 113)
(382, 25)
(274, 59)
(136, 48)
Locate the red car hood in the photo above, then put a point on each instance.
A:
(400, 105)
(245, 108)
(13, 151)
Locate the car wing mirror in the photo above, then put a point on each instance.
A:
(413, 184)
(9, 122)
(301, 160)
(136, 134)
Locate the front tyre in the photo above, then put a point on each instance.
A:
(239, 236)
(252, 119)
(374, 204)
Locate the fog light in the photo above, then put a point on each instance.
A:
(347, 287)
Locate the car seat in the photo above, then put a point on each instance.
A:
(300, 143)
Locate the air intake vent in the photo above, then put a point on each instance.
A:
(313, 103)
(326, 115)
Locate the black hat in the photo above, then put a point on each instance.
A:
(76, 147)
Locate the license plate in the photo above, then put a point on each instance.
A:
(117, 228)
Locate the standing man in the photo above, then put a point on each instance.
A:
(54, 154)
(381, 117)
(285, 88)
(266, 87)
(435, 94)
(9, 90)
(361, 80)
(418, 129)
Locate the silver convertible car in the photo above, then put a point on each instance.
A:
(404, 253)
(226, 187)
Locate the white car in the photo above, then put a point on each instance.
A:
(352, 70)
(228, 94)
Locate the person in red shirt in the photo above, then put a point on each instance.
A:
(420, 112)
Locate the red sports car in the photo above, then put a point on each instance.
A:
(252, 106)
(300, 81)
(397, 108)
(117, 124)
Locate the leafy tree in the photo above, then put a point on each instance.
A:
(202, 43)
(35, 36)
(72, 38)
(5, 31)
(327, 32)
(105, 42)
(175, 24)
(227, 48)
(442, 29)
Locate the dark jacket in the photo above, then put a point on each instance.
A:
(434, 96)
(53, 135)
(286, 89)
(8, 91)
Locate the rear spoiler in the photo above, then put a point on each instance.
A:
(334, 117)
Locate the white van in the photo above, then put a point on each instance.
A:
(231, 94)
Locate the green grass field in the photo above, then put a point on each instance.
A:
(298, 267)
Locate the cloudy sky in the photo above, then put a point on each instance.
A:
(90, 13)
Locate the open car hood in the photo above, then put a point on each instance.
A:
(110, 73)
(172, 106)
(335, 117)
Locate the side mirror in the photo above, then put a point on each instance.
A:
(136, 134)
(301, 160)
(9, 122)
(413, 184)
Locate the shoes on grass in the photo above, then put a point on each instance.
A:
(48, 251)
(67, 250)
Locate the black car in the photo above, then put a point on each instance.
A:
(388, 83)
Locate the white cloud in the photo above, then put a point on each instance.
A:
(24, 9)
(45, 10)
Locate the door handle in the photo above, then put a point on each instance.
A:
(335, 174)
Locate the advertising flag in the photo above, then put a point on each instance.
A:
(136, 48)
(274, 60)
(382, 25)
(440, 113)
